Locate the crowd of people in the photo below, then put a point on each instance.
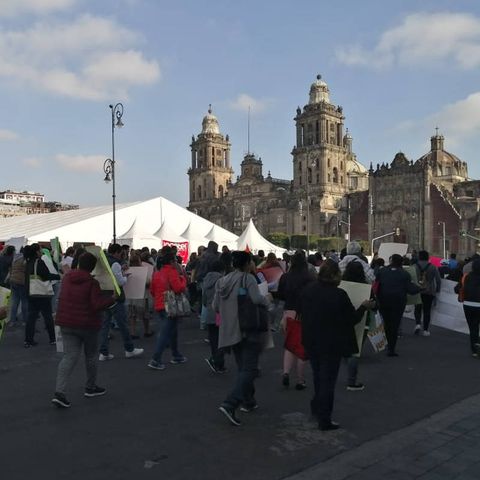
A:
(240, 299)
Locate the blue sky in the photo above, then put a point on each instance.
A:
(398, 69)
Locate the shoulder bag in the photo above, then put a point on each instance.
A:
(39, 287)
(176, 304)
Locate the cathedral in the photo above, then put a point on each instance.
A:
(325, 172)
(428, 203)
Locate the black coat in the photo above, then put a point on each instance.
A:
(290, 287)
(328, 320)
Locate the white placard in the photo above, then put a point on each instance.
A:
(386, 250)
(17, 242)
(136, 283)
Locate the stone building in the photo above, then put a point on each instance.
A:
(420, 200)
(325, 173)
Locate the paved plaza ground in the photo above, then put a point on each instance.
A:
(418, 417)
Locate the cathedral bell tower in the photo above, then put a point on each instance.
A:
(320, 159)
(210, 172)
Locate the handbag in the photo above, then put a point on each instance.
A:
(176, 304)
(39, 287)
(251, 318)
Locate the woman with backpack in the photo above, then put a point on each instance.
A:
(166, 278)
(429, 281)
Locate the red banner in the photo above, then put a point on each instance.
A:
(182, 249)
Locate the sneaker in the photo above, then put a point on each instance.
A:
(206, 340)
(96, 391)
(286, 380)
(475, 355)
(301, 385)
(249, 408)
(357, 387)
(392, 354)
(230, 414)
(136, 352)
(426, 333)
(30, 344)
(212, 366)
(53, 342)
(178, 360)
(329, 426)
(60, 400)
(156, 365)
(108, 356)
(417, 330)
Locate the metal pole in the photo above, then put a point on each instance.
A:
(113, 176)
(378, 238)
(348, 217)
(308, 213)
(444, 242)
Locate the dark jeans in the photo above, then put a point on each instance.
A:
(19, 297)
(472, 314)
(167, 336)
(325, 372)
(118, 313)
(218, 355)
(392, 316)
(73, 341)
(246, 354)
(426, 307)
(37, 306)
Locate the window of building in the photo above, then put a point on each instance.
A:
(318, 178)
(220, 191)
(335, 175)
(304, 228)
(341, 165)
(300, 166)
(279, 218)
(341, 179)
(328, 163)
(329, 178)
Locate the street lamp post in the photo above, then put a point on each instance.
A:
(395, 232)
(443, 239)
(109, 164)
(309, 170)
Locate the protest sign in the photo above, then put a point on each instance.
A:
(182, 249)
(103, 272)
(5, 294)
(412, 271)
(56, 250)
(17, 242)
(386, 250)
(358, 293)
(136, 283)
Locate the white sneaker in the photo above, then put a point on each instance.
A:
(104, 358)
(426, 333)
(136, 352)
(417, 330)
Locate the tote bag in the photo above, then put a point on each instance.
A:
(176, 304)
(39, 287)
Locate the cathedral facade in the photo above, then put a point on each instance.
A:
(426, 203)
(316, 201)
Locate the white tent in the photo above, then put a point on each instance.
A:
(193, 238)
(222, 237)
(137, 238)
(252, 240)
(94, 224)
(168, 234)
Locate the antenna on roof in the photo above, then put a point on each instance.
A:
(436, 131)
(248, 131)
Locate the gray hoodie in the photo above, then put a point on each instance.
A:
(208, 292)
(225, 302)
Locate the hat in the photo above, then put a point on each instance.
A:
(353, 248)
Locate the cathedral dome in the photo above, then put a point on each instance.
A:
(210, 123)
(319, 91)
(355, 167)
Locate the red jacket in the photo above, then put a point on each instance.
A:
(167, 278)
(81, 301)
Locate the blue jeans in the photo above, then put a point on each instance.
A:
(19, 296)
(246, 354)
(167, 337)
(119, 313)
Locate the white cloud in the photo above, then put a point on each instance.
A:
(80, 163)
(458, 121)
(90, 58)
(8, 135)
(33, 162)
(10, 8)
(422, 38)
(243, 101)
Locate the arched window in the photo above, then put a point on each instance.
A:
(328, 163)
(220, 191)
(199, 192)
(335, 175)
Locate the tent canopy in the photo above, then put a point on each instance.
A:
(252, 240)
(134, 221)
